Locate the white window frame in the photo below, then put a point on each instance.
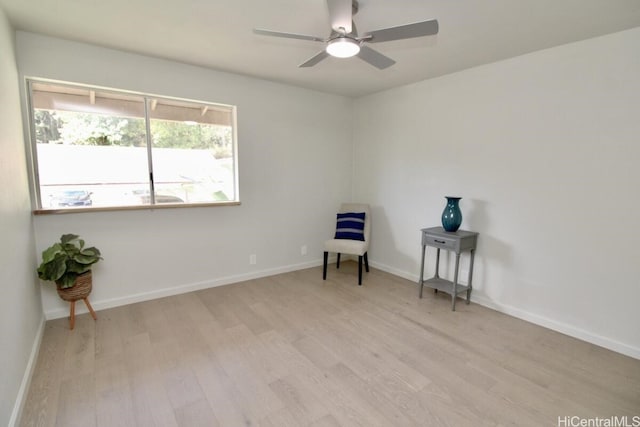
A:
(147, 97)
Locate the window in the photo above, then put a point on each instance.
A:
(99, 148)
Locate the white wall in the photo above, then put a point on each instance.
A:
(295, 169)
(20, 308)
(544, 150)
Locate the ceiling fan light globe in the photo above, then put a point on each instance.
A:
(343, 47)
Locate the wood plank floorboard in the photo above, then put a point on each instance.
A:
(294, 350)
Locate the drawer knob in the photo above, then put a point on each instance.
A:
(442, 242)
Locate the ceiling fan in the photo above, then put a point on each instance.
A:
(344, 42)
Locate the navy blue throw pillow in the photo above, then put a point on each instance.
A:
(350, 225)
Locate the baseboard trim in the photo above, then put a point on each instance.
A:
(394, 271)
(181, 289)
(26, 377)
(561, 327)
(528, 316)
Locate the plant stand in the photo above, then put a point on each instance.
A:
(72, 312)
(80, 291)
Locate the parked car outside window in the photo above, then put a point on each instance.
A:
(71, 198)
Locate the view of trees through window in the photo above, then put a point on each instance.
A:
(91, 149)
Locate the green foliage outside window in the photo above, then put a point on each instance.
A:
(61, 127)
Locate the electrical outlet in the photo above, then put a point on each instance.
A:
(303, 250)
(252, 259)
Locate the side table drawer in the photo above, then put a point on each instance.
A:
(440, 242)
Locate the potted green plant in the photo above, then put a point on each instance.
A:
(68, 264)
(66, 260)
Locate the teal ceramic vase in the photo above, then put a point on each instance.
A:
(452, 216)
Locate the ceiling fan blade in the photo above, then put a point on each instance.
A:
(340, 14)
(286, 35)
(314, 60)
(418, 29)
(375, 58)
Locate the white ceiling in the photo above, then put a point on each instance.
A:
(218, 33)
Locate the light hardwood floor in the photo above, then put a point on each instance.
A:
(292, 350)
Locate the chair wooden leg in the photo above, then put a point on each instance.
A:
(338, 263)
(366, 262)
(324, 266)
(360, 270)
(93, 313)
(72, 314)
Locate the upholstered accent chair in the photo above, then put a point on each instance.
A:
(353, 231)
